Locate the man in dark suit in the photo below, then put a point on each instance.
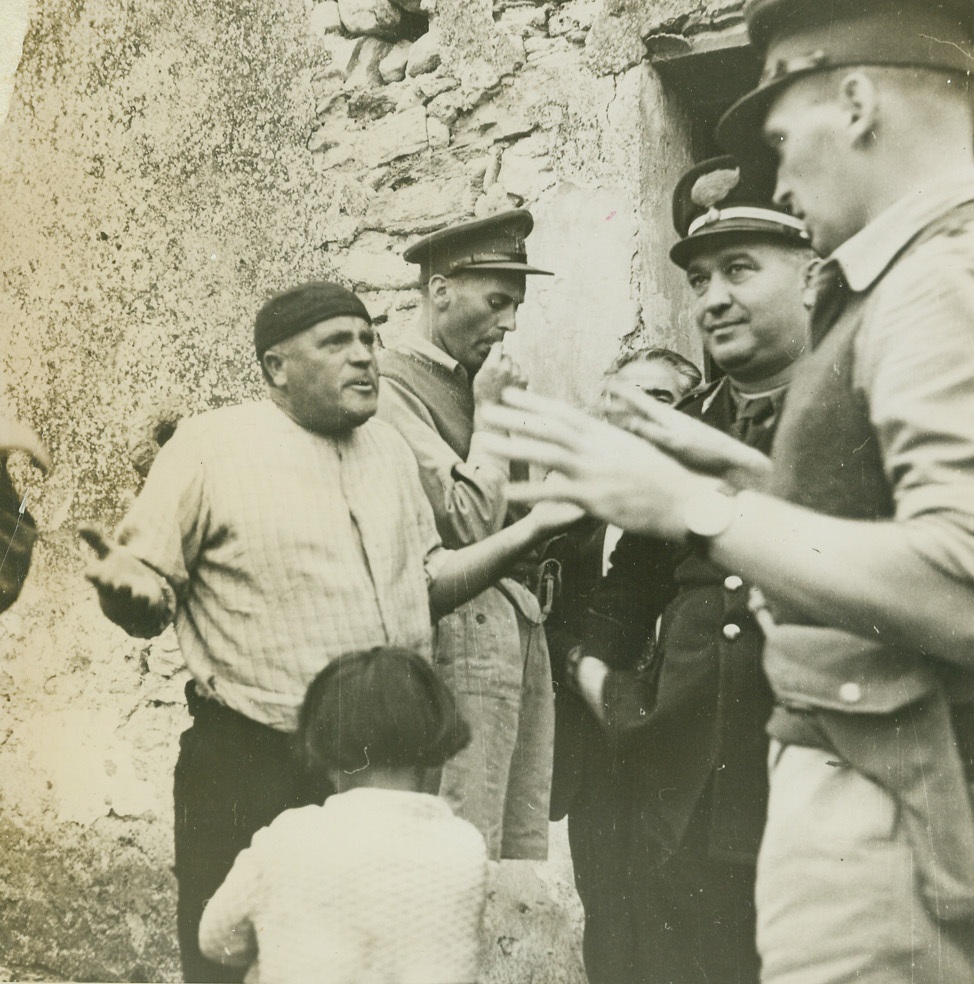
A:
(667, 838)
(574, 564)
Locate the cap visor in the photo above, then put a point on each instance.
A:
(739, 130)
(683, 252)
(502, 265)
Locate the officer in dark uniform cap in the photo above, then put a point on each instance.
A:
(667, 835)
(718, 201)
(492, 651)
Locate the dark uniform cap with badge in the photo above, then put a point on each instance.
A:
(494, 243)
(798, 37)
(716, 199)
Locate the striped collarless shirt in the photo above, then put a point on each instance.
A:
(285, 548)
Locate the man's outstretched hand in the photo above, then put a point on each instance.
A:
(693, 443)
(608, 471)
(130, 593)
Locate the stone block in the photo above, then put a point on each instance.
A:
(431, 86)
(324, 18)
(377, 270)
(407, 95)
(392, 68)
(495, 199)
(424, 55)
(395, 136)
(491, 122)
(437, 133)
(339, 52)
(326, 102)
(363, 67)
(526, 169)
(492, 167)
(574, 16)
(418, 208)
(378, 18)
(327, 136)
(523, 21)
(370, 104)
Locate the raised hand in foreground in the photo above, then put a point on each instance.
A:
(609, 472)
(693, 443)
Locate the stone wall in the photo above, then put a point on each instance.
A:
(163, 167)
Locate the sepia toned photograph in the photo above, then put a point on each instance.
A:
(487, 491)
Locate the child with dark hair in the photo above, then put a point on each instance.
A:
(382, 883)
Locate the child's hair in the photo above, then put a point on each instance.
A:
(381, 706)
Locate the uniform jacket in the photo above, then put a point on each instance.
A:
(690, 724)
(574, 562)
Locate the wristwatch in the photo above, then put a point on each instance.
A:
(707, 514)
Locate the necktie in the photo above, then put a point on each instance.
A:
(753, 420)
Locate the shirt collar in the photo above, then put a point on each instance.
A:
(775, 395)
(424, 347)
(865, 257)
(738, 399)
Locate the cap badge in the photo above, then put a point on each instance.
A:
(783, 67)
(710, 189)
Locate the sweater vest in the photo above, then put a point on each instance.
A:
(447, 399)
(828, 459)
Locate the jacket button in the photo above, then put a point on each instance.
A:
(733, 583)
(731, 631)
(850, 693)
(481, 618)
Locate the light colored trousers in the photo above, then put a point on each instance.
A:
(837, 893)
(495, 660)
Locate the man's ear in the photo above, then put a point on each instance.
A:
(274, 368)
(859, 99)
(440, 291)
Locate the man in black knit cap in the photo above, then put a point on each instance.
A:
(279, 534)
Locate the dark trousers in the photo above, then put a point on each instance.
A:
(653, 916)
(233, 776)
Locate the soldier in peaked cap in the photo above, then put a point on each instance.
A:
(665, 840)
(492, 651)
(865, 106)
(862, 537)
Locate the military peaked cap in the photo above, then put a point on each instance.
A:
(716, 198)
(494, 243)
(798, 37)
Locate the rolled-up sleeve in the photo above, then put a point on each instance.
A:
(915, 360)
(467, 496)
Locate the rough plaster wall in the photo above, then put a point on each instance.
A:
(162, 169)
